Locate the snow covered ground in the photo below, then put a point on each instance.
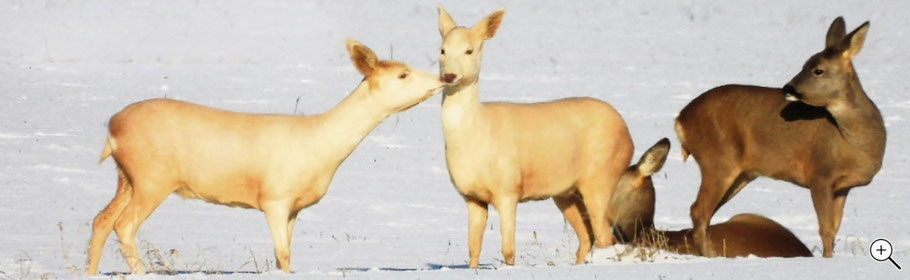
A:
(391, 212)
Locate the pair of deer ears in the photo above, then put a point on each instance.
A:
(848, 45)
(363, 58)
(486, 27)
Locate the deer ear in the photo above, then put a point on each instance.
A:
(446, 23)
(363, 58)
(853, 42)
(835, 33)
(654, 158)
(488, 25)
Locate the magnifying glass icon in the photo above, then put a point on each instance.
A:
(881, 251)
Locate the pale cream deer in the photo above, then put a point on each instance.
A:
(821, 132)
(278, 164)
(743, 235)
(499, 153)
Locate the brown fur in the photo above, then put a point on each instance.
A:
(831, 140)
(743, 235)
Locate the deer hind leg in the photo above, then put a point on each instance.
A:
(146, 196)
(477, 221)
(716, 187)
(573, 209)
(596, 194)
(104, 222)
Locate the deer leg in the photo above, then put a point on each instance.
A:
(104, 222)
(146, 196)
(596, 195)
(291, 222)
(278, 218)
(840, 199)
(477, 221)
(506, 206)
(737, 186)
(714, 188)
(573, 210)
(823, 200)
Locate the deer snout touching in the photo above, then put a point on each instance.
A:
(448, 78)
(790, 93)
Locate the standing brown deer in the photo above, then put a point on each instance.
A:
(746, 234)
(819, 132)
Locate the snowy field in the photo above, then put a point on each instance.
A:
(391, 212)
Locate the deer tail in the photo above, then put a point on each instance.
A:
(109, 146)
(682, 139)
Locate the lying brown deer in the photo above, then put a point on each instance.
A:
(743, 235)
(821, 132)
(278, 164)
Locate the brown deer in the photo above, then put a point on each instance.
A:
(278, 164)
(743, 235)
(501, 153)
(819, 132)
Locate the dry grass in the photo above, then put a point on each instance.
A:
(647, 246)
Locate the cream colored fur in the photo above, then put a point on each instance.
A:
(573, 150)
(278, 164)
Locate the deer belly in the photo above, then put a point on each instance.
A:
(543, 185)
(240, 194)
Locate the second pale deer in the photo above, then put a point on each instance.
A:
(821, 132)
(743, 235)
(278, 164)
(499, 153)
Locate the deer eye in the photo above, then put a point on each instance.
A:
(442, 51)
(469, 52)
(818, 72)
(403, 75)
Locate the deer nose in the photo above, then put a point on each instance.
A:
(447, 78)
(789, 89)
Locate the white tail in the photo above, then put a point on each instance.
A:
(278, 164)
(820, 132)
(572, 150)
(743, 235)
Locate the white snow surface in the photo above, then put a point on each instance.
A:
(391, 211)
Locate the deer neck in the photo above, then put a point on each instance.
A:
(345, 125)
(859, 120)
(460, 110)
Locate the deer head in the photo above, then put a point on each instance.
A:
(828, 78)
(462, 48)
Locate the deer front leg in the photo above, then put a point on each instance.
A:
(477, 221)
(277, 215)
(506, 206)
(824, 202)
(840, 199)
